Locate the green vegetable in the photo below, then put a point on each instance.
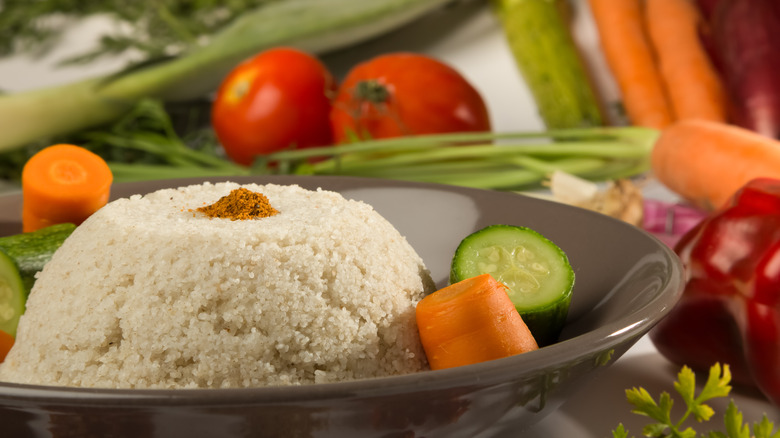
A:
(21, 257)
(314, 25)
(154, 29)
(716, 386)
(13, 294)
(506, 161)
(144, 144)
(549, 61)
(30, 251)
(536, 272)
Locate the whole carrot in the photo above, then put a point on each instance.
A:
(706, 162)
(471, 321)
(630, 58)
(63, 184)
(692, 83)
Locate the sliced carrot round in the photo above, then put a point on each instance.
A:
(63, 183)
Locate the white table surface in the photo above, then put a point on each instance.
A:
(468, 37)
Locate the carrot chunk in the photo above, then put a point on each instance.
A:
(471, 321)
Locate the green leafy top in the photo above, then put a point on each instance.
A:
(154, 28)
(717, 386)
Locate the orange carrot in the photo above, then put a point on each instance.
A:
(693, 85)
(706, 162)
(469, 322)
(63, 183)
(6, 342)
(630, 58)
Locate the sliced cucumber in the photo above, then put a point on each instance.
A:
(536, 271)
(30, 251)
(13, 294)
(21, 257)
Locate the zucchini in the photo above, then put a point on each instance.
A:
(548, 59)
(30, 251)
(536, 272)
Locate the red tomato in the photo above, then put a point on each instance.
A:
(405, 94)
(276, 100)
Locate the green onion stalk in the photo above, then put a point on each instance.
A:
(502, 161)
(314, 25)
(148, 143)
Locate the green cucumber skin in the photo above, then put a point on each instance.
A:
(15, 301)
(31, 251)
(21, 257)
(544, 321)
(549, 62)
(547, 324)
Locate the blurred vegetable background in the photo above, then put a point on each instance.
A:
(316, 25)
(136, 120)
(187, 90)
(176, 91)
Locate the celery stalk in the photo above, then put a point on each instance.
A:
(314, 25)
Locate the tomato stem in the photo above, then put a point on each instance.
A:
(371, 91)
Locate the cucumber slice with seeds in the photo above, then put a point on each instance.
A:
(537, 273)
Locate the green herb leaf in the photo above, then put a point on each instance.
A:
(645, 405)
(735, 428)
(716, 386)
(655, 430)
(717, 383)
(765, 429)
(620, 432)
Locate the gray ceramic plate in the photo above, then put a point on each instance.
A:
(626, 281)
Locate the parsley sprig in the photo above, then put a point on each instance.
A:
(717, 386)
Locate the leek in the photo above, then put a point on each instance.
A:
(314, 25)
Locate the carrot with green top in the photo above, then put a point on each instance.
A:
(629, 55)
(469, 322)
(692, 83)
(706, 162)
(6, 342)
(63, 184)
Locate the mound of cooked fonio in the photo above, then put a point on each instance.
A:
(152, 292)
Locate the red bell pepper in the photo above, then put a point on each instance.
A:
(730, 309)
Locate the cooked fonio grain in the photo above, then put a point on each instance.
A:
(151, 293)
